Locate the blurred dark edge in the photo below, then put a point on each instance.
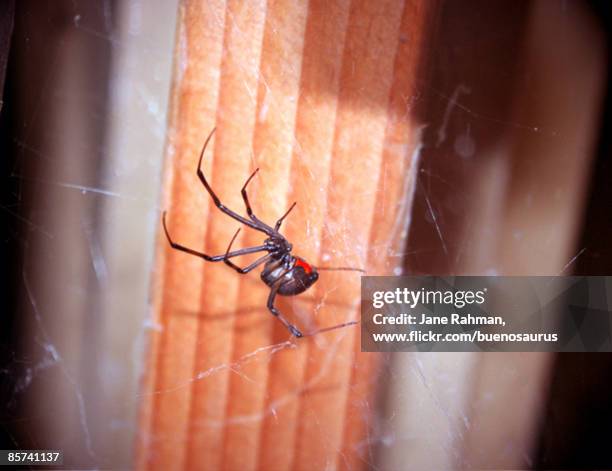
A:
(9, 249)
(578, 422)
(7, 15)
(576, 425)
(49, 38)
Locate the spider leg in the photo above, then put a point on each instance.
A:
(245, 197)
(248, 268)
(280, 221)
(290, 327)
(361, 270)
(257, 225)
(252, 266)
(210, 258)
(334, 327)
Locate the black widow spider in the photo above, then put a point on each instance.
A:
(283, 272)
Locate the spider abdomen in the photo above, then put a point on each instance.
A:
(292, 276)
(297, 282)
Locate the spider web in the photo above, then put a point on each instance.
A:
(89, 141)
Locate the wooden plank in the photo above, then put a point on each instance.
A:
(314, 95)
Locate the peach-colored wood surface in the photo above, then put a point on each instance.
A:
(318, 96)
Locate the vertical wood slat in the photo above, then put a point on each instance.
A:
(394, 198)
(222, 290)
(275, 110)
(311, 94)
(315, 118)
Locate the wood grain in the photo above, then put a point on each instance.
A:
(317, 96)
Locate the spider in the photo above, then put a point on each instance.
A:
(285, 273)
